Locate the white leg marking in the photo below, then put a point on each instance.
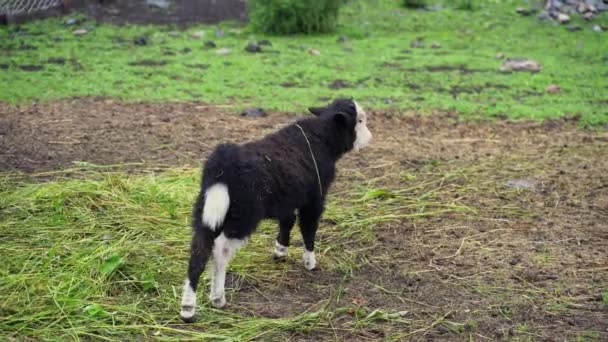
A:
(216, 205)
(280, 251)
(363, 135)
(188, 301)
(310, 262)
(223, 250)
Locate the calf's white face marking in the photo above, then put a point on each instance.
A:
(363, 135)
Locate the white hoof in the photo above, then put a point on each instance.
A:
(310, 262)
(280, 251)
(218, 302)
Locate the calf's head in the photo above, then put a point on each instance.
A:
(349, 113)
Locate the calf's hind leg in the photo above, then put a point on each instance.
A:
(202, 243)
(223, 250)
(282, 243)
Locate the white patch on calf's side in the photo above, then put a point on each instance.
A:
(310, 262)
(362, 133)
(280, 251)
(223, 251)
(216, 205)
(188, 301)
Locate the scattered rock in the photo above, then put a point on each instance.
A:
(210, 44)
(264, 42)
(140, 41)
(338, 84)
(314, 52)
(254, 112)
(543, 15)
(223, 51)
(417, 43)
(342, 39)
(253, 48)
(173, 34)
(80, 32)
(523, 183)
(219, 32)
(435, 45)
(71, 21)
(588, 16)
(574, 28)
(597, 28)
(197, 34)
(500, 55)
(515, 260)
(524, 11)
(520, 64)
(161, 4)
(563, 18)
(553, 88)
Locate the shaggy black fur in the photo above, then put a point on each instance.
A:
(273, 177)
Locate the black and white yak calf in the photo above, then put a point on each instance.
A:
(291, 169)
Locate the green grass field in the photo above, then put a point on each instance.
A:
(376, 63)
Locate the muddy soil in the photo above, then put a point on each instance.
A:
(529, 262)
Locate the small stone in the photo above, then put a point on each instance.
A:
(140, 41)
(197, 34)
(173, 34)
(553, 88)
(71, 21)
(314, 52)
(563, 18)
(588, 16)
(435, 45)
(417, 43)
(80, 32)
(161, 4)
(597, 28)
(253, 48)
(523, 11)
(264, 42)
(574, 28)
(520, 64)
(525, 183)
(210, 44)
(544, 15)
(219, 32)
(223, 51)
(500, 55)
(254, 112)
(342, 39)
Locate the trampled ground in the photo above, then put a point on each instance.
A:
(441, 229)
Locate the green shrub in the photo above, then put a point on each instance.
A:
(414, 3)
(294, 16)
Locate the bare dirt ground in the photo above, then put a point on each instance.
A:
(530, 263)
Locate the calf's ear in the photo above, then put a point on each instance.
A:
(340, 118)
(316, 110)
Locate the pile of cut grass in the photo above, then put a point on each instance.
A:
(104, 255)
